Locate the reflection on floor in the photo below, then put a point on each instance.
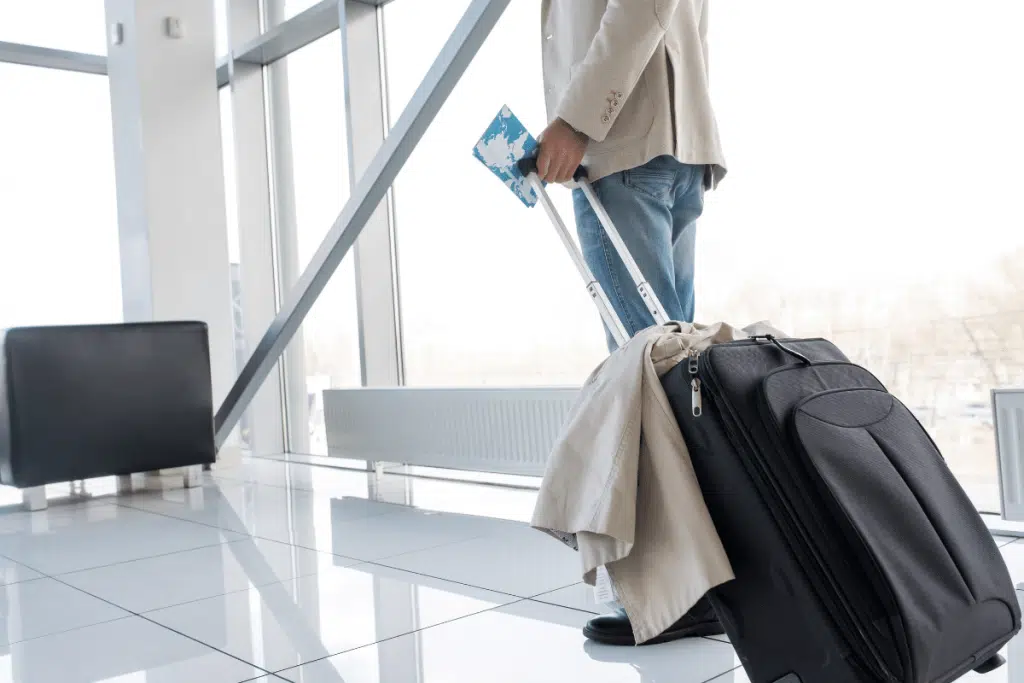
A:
(275, 571)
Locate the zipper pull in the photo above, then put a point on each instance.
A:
(696, 402)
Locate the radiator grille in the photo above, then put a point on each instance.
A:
(507, 431)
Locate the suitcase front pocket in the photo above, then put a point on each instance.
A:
(909, 522)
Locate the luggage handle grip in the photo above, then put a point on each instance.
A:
(528, 165)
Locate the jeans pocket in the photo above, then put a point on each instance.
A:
(656, 183)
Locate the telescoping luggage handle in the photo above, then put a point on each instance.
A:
(528, 167)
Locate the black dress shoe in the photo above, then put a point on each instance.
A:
(615, 629)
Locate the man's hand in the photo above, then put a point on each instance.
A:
(561, 152)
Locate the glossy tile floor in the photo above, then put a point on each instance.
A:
(289, 572)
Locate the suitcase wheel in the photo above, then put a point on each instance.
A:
(991, 664)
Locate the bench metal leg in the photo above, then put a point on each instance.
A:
(193, 476)
(124, 484)
(34, 498)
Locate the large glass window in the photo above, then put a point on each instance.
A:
(59, 249)
(220, 19)
(310, 138)
(489, 295)
(75, 25)
(279, 11)
(874, 197)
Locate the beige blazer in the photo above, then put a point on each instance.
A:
(633, 76)
(621, 489)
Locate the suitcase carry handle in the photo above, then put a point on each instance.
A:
(528, 167)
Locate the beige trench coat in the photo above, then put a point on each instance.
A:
(620, 486)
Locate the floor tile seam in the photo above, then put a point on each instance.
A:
(383, 562)
(250, 587)
(22, 582)
(168, 515)
(515, 598)
(42, 575)
(136, 559)
(724, 673)
(376, 560)
(146, 615)
(127, 505)
(433, 547)
(209, 647)
(143, 613)
(246, 532)
(386, 502)
(130, 612)
(282, 486)
(555, 604)
(65, 631)
(393, 472)
(453, 620)
(355, 560)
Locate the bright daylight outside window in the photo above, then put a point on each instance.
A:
(59, 252)
(873, 198)
(489, 295)
(74, 25)
(313, 137)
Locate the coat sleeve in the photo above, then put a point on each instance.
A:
(629, 33)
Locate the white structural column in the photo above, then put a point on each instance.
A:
(169, 170)
(375, 258)
(256, 230)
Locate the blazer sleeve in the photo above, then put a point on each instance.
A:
(629, 33)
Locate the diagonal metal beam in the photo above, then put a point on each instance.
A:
(451, 63)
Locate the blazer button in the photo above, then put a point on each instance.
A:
(605, 119)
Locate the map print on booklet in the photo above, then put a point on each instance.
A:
(505, 142)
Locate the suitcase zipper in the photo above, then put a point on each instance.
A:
(703, 377)
(696, 400)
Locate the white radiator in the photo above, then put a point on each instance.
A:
(1008, 416)
(507, 431)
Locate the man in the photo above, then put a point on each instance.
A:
(626, 84)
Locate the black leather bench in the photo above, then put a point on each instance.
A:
(79, 402)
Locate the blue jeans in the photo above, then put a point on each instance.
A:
(655, 208)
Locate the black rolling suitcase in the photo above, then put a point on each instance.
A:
(858, 557)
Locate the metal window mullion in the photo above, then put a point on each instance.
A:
(282, 175)
(385, 99)
(476, 24)
(365, 117)
(260, 291)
